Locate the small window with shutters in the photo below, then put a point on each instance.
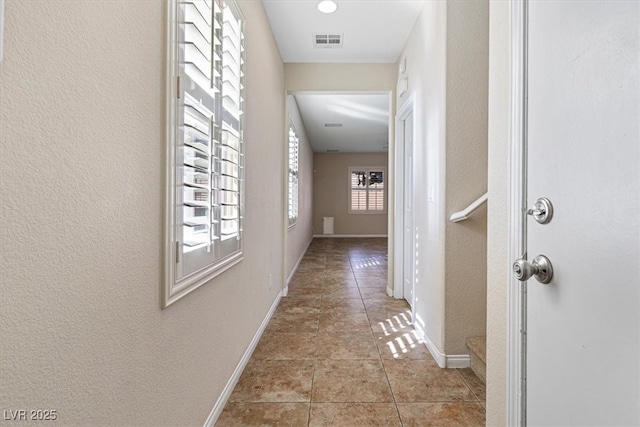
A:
(205, 161)
(367, 190)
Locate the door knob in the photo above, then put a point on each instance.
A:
(540, 268)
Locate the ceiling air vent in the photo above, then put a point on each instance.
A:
(327, 41)
(333, 125)
(333, 151)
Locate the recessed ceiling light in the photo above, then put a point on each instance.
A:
(327, 6)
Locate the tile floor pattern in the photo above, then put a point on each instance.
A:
(340, 352)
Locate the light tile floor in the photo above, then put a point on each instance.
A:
(340, 352)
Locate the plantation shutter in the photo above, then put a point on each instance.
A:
(209, 155)
(294, 147)
(367, 192)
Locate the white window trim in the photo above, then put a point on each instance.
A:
(292, 220)
(367, 169)
(174, 288)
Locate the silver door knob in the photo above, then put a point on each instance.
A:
(540, 268)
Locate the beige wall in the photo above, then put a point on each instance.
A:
(299, 236)
(331, 193)
(466, 170)
(81, 202)
(341, 77)
(447, 75)
(497, 244)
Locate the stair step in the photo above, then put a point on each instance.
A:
(478, 352)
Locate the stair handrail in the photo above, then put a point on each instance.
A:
(465, 213)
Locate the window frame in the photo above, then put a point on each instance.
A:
(293, 176)
(367, 170)
(177, 284)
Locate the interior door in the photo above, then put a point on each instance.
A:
(408, 220)
(583, 328)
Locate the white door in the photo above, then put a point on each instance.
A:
(409, 239)
(583, 328)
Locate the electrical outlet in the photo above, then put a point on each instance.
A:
(270, 280)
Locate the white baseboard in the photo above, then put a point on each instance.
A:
(228, 389)
(440, 358)
(295, 267)
(458, 361)
(444, 360)
(389, 291)
(349, 235)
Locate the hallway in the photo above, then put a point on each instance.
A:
(339, 351)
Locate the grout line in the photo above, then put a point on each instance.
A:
(315, 353)
(468, 386)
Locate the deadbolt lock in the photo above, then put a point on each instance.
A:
(542, 210)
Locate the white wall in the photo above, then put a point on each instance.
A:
(447, 71)
(497, 258)
(300, 235)
(425, 53)
(81, 202)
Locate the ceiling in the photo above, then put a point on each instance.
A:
(371, 31)
(364, 119)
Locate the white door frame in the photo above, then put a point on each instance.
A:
(403, 113)
(517, 199)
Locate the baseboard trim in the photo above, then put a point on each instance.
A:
(348, 235)
(295, 267)
(454, 361)
(390, 292)
(228, 389)
(440, 358)
(458, 361)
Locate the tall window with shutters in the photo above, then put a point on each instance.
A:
(204, 188)
(367, 190)
(294, 147)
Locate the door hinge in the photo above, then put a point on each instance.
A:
(178, 87)
(177, 252)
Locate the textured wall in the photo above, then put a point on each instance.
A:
(497, 244)
(331, 193)
(466, 242)
(341, 77)
(81, 202)
(299, 236)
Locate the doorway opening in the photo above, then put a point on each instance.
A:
(352, 182)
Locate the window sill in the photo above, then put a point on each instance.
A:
(176, 291)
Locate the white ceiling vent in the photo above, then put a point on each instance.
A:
(327, 41)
